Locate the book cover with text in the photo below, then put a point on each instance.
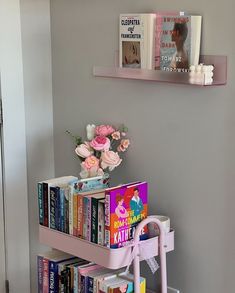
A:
(125, 207)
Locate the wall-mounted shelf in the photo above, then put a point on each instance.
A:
(219, 78)
(110, 258)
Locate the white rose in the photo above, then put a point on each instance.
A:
(90, 130)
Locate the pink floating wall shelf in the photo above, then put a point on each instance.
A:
(219, 78)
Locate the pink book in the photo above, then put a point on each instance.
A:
(158, 34)
(45, 282)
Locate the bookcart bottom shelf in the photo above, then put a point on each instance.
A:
(120, 257)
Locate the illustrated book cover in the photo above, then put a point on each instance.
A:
(125, 207)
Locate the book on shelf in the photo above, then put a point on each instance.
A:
(136, 40)
(180, 42)
(128, 276)
(44, 197)
(56, 201)
(77, 190)
(61, 272)
(46, 266)
(125, 207)
(158, 33)
(101, 227)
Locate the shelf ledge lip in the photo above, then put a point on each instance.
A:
(220, 73)
(106, 257)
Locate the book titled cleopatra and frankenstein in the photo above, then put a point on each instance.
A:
(168, 40)
(89, 209)
(59, 272)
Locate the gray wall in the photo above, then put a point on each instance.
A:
(36, 47)
(182, 136)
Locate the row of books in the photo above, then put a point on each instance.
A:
(59, 272)
(91, 210)
(167, 40)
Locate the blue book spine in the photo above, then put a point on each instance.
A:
(40, 273)
(75, 279)
(90, 281)
(62, 210)
(53, 273)
(40, 203)
(57, 214)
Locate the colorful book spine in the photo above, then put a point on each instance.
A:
(101, 227)
(52, 208)
(66, 210)
(45, 285)
(53, 277)
(71, 210)
(40, 203)
(75, 214)
(40, 273)
(87, 218)
(45, 204)
(80, 215)
(94, 219)
(62, 213)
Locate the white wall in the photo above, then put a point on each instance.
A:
(14, 148)
(182, 137)
(36, 48)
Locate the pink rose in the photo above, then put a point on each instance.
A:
(123, 145)
(84, 150)
(104, 130)
(94, 171)
(116, 135)
(110, 159)
(90, 162)
(100, 143)
(121, 148)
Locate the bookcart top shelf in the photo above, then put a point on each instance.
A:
(109, 258)
(219, 78)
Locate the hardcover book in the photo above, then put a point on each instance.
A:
(180, 42)
(136, 40)
(125, 207)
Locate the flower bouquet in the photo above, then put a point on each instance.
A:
(101, 150)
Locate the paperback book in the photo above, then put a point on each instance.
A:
(125, 207)
(136, 40)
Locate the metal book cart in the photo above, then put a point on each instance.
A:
(116, 258)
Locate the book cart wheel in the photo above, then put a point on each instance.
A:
(162, 253)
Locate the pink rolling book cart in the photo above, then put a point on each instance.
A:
(116, 258)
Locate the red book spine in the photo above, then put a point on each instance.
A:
(45, 282)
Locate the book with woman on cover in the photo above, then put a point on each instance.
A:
(180, 42)
(125, 207)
